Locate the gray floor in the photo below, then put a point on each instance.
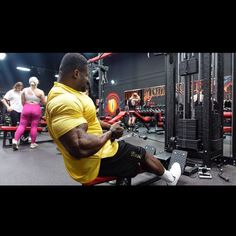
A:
(40, 166)
(44, 166)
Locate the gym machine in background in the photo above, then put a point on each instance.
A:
(229, 112)
(233, 105)
(98, 75)
(194, 115)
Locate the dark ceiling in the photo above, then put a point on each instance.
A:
(43, 65)
(49, 61)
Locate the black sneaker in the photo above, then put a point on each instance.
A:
(15, 147)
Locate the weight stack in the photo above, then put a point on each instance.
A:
(188, 144)
(187, 129)
(217, 145)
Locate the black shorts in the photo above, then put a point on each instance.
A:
(127, 161)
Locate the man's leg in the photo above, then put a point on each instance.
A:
(130, 122)
(153, 165)
(133, 120)
(130, 160)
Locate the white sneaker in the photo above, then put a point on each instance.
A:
(15, 145)
(175, 170)
(33, 145)
(29, 139)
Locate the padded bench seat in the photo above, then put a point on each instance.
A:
(100, 180)
(119, 181)
(7, 129)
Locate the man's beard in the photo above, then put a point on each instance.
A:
(83, 89)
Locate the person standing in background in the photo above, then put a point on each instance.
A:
(12, 101)
(31, 99)
(133, 101)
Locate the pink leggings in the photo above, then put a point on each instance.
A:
(30, 116)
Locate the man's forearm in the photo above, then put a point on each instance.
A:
(105, 125)
(91, 144)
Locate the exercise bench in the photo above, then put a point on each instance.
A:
(101, 180)
(7, 129)
(117, 118)
(167, 160)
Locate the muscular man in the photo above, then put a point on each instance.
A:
(88, 152)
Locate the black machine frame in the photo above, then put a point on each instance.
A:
(234, 104)
(97, 65)
(207, 141)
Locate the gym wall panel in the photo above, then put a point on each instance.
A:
(134, 71)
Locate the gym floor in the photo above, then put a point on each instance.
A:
(44, 165)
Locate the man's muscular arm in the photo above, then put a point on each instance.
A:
(105, 125)
(80, 144)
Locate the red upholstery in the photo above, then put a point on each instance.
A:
(43, 123)
(100, 180)
(145, 119)
(227, 129)
(14, 128)
(117, 118)
(227, 114)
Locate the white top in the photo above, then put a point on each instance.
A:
(15, 100)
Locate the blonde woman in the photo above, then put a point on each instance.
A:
(31, 98)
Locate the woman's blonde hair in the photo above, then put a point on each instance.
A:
(33, 80)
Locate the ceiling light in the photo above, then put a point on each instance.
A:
(3, 56)
(22, 68)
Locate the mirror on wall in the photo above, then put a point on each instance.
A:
(228, 104)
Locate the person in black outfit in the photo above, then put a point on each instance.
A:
(227, 103)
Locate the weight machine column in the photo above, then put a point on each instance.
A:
(234, 104)
(206, 79)
(170, 99)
